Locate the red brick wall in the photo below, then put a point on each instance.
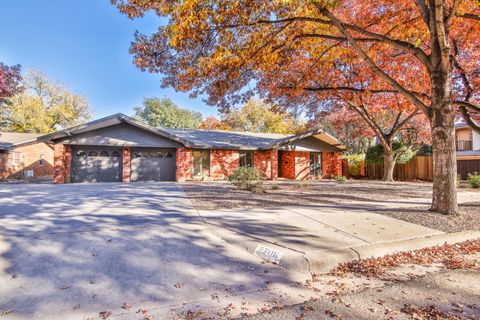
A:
(184, 164)
(266, 162)
(302, 165)
(327, 164)
(274, 157)
(68, 163)
(288, 164)
(126, 164)
(337, 163)
(331, 164)
(296, 165)
(30, 155)
(223, 163)
(59, 163)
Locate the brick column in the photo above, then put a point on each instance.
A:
(337, 163)
(58, 163)
(126, 164)
(274, 161)
(302, 165)
(288, 164)
(68, 164)
(327, 167)
(184, 164)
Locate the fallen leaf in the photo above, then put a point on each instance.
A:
(104, 314)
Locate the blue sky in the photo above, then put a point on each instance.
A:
(84, 44)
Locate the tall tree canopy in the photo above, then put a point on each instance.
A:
(164, 113)
(10, 79)
(259, 116)
(301, 51)
(43, 106)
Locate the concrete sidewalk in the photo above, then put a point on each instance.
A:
(315, 238)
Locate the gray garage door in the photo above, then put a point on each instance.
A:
(96, 164)
(153, 164)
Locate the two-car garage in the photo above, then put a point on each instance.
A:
(105, 164)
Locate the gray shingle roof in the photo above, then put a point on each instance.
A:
(214, 139)
(9, 139)
(229, 139)
(468, 153)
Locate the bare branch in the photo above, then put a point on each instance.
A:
(470, 16)
(405, 121)
(467, 105)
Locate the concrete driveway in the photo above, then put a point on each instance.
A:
(73, 251)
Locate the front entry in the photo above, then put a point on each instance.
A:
(96, 164)
(152, 164)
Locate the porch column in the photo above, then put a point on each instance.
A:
(58, 163)
(126, 164)
(274, 163)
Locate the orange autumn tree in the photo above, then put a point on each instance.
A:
(230, 50)
(370, 118)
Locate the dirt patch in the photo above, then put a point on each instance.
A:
(468, 219)
(221, 195)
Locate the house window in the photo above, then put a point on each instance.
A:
(14, 159)
(41, 162)
(201, 163)
(316, 164)
(246, 158)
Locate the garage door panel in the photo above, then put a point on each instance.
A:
(96, 164)
(153, 164)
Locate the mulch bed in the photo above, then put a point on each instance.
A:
(218, 195)
(468, 218)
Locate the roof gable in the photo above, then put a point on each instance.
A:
(111, 121)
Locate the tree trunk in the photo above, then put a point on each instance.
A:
(388, 165)
(444, 199)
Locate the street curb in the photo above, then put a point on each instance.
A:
(319, 265)
(291, 259)
(323, 261)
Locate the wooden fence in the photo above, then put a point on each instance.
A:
(420, 168)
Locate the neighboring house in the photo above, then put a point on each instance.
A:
(22, 157)
(119, 148)
(467, 142)
(468, 150)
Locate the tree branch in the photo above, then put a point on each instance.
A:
(439, 23)
(405, 121)
(470, 16)
(424, 11)
(417, 102)
(453, 12)
(330, 37)
(468, 119)
(356, 90)
(417, 52)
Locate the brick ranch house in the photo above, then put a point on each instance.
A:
(119, 148)
(22, 157)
